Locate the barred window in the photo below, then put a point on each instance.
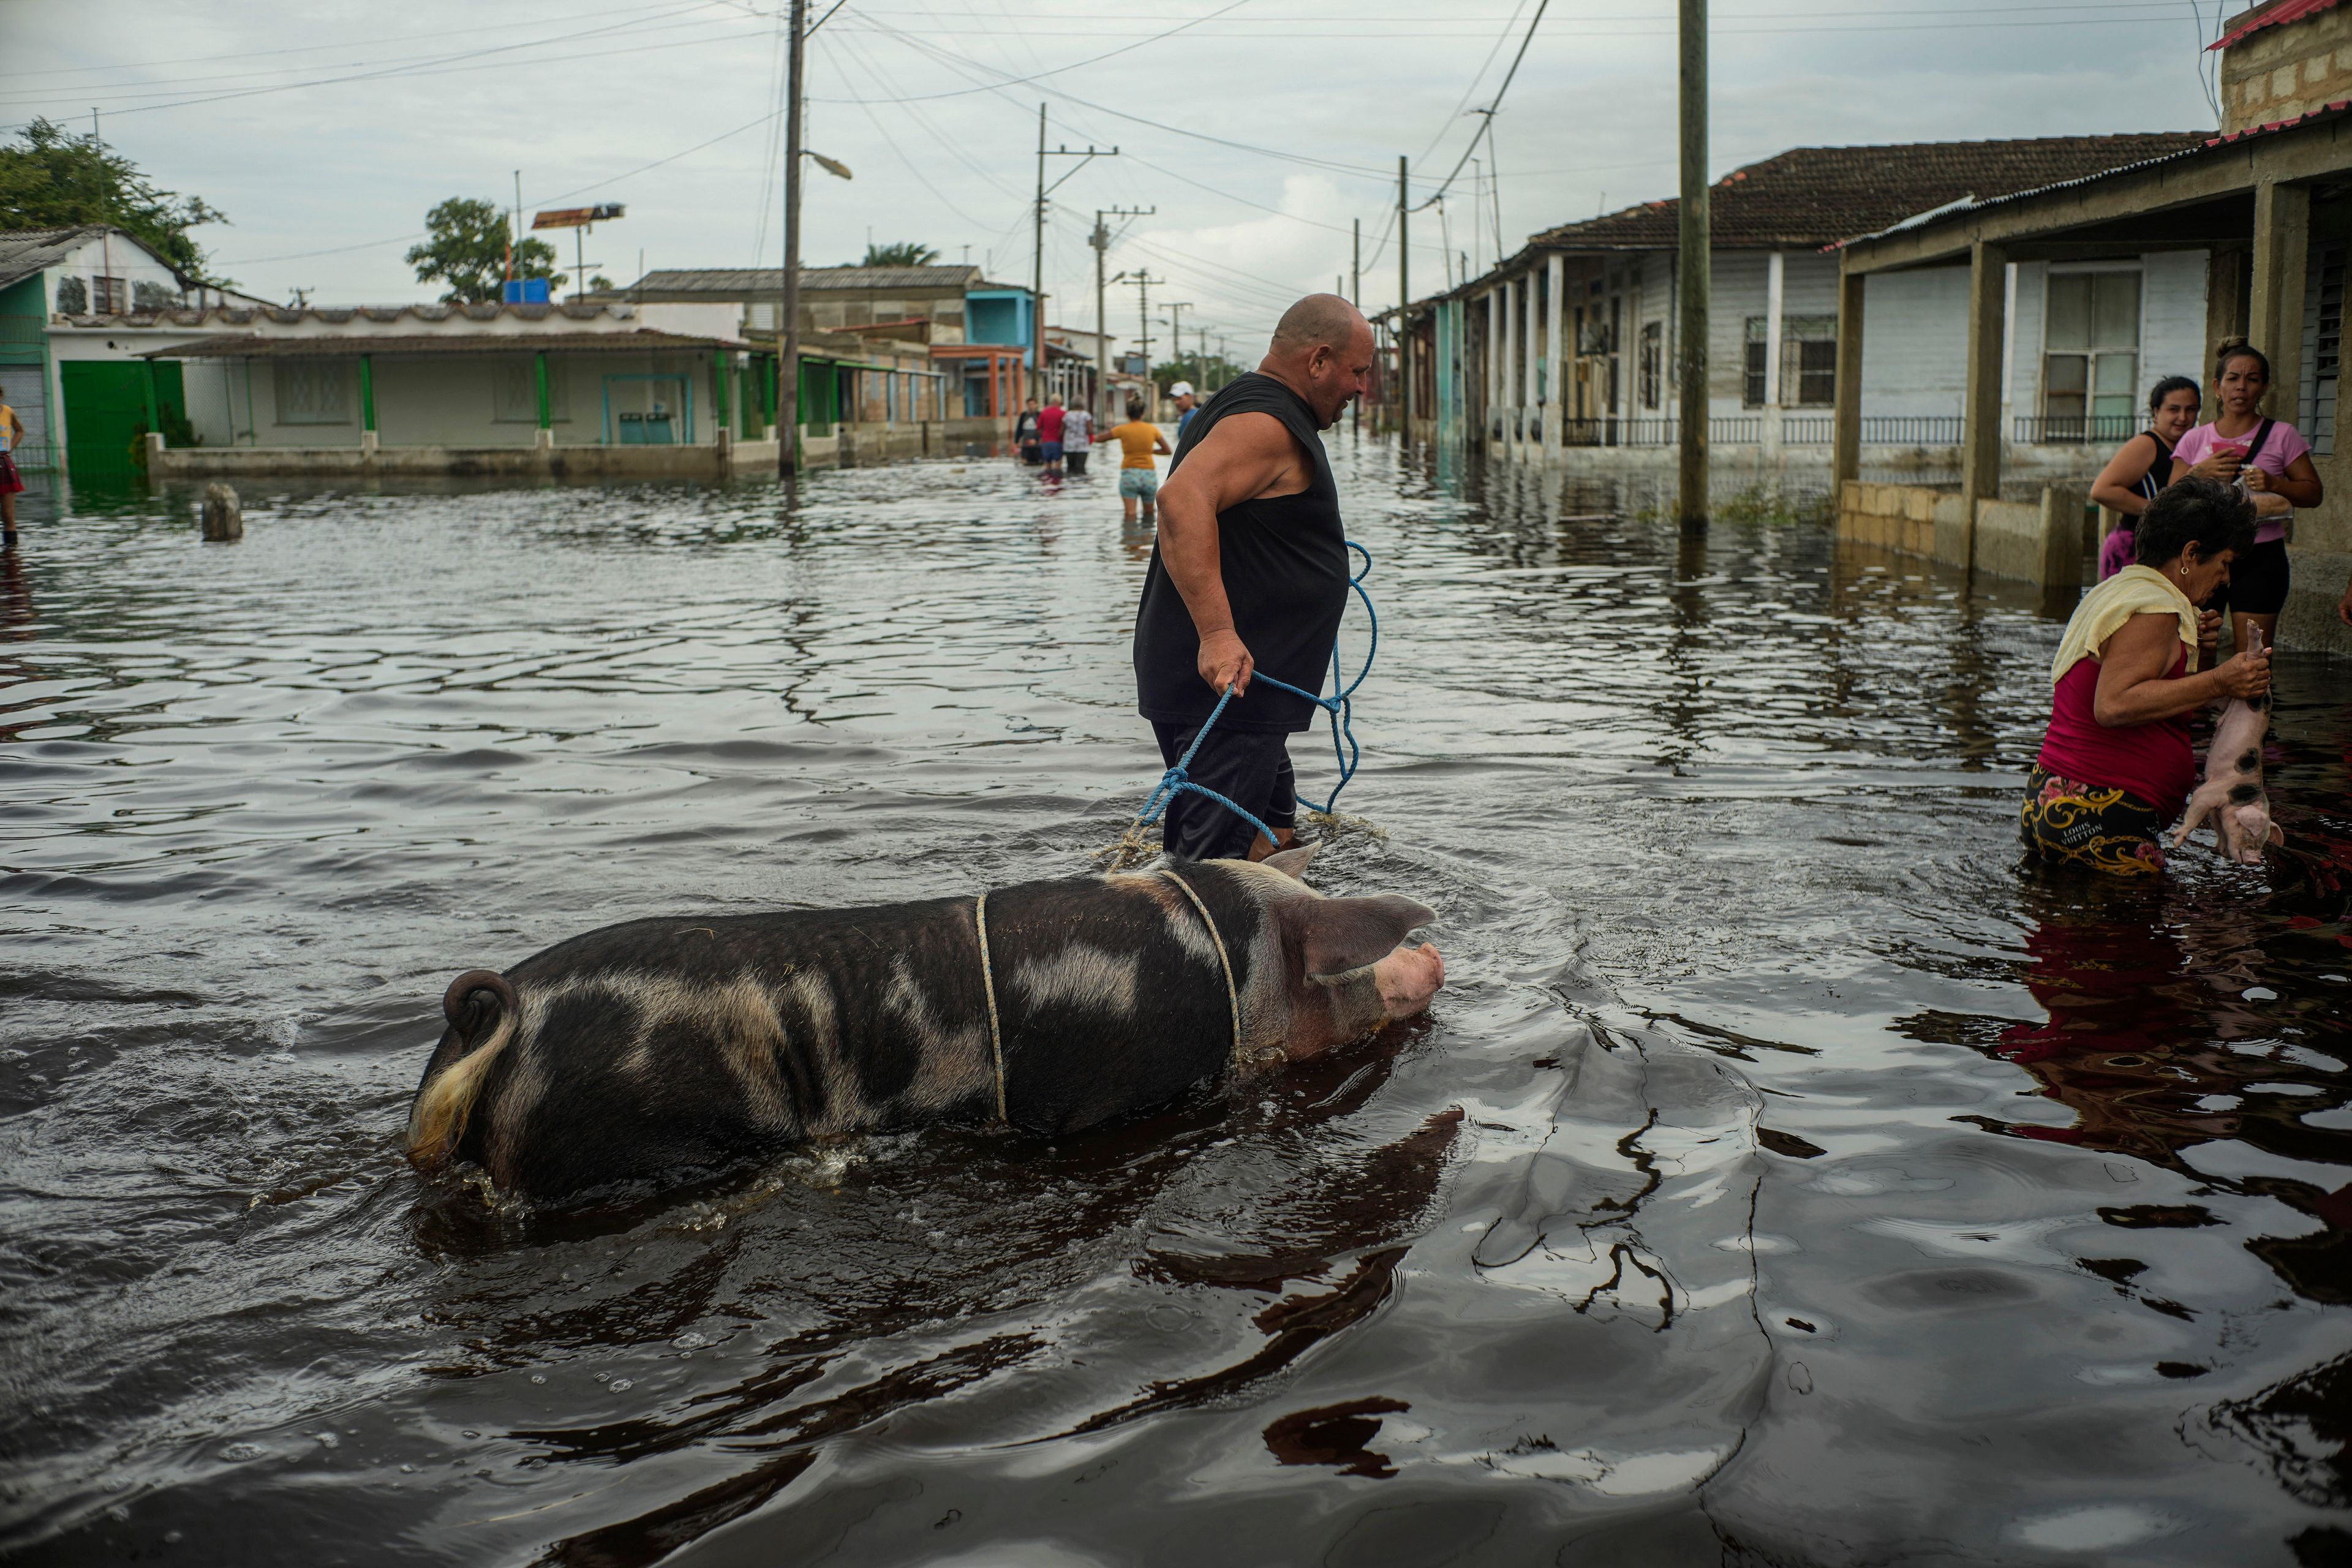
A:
(1753, 386)
(1809, 361)
(312, 391)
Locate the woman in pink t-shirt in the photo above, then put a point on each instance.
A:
(2268, 456)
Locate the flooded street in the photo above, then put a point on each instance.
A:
(1782, 1177)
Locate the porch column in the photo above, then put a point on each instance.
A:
(1980, 412)
(154, 408)
(546, 437)
(368, 437)
(1845, 430)
(1492, 364)
(719, 409)
(2282, 252)
(1505, 362)
(1531, 379)
(1776, 294)
(1554, 367)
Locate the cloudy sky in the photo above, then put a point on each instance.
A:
(1259, 130)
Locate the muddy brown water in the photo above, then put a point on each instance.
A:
(1783, 1177)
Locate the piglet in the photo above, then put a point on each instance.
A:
(644, 1050)
(2232, 791)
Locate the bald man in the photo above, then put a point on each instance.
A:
(1250, 572)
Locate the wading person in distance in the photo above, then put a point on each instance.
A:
(1050, 422)
(2268, 456)
(1025, 435)
(1187, 405)
(2116, 765)
(1250, 572)
(1138, 475)
(12, 483)
(2142, 467)
(1077, 439)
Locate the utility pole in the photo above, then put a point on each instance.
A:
(1356, 298)
(1405, 298)
(788, 323)
(1176, 309)
(1037, 234)
(1697, 275)
(1101, 242)
(1143, 282)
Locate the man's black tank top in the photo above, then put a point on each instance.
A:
(1285, 564)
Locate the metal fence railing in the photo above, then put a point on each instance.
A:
(2060, 429)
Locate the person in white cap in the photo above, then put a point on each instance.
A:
(1186, 405)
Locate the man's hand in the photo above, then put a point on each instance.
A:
(1224, 662)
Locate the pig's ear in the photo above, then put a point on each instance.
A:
(1336, 935)
(1292, 863)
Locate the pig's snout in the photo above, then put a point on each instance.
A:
(1407, 978)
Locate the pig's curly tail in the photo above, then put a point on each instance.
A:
(437, 1121)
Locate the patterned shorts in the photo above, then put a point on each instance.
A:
(2094, 826)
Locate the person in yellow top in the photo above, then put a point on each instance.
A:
(12, 484)
(1138, 475)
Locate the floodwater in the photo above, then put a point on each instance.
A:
(1783, 1177)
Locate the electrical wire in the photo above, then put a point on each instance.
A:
(469, 60)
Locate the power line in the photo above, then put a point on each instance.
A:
(470, 60)
(1040, 76)
(1533, 23)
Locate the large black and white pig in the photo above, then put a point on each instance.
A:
(662, 1045)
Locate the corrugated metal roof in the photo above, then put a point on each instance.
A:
(246, 346)
(26, 251)
(2279, 15)
(2204, 143)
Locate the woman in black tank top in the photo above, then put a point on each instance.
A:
(2142, 467)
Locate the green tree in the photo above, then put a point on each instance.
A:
(53, 179)
(468, 251)
(906, 253)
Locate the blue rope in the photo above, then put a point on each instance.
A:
(1339, 705)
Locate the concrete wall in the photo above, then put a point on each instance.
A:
(2043, 542)
(441, 401)
(2287, 71)
(464, 462)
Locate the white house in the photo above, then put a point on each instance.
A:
(1597, 300)
(60, 379)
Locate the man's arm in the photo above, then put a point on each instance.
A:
(1245, 456)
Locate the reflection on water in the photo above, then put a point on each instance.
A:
(1783, 1177)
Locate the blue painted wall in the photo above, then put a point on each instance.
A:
(1001, 316)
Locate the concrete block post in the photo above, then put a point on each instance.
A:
(1981, 430)
(224, 516)
(2282, 253)
(1845, 430)
(2063, 509)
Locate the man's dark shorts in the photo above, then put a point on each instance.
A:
(1249, 767)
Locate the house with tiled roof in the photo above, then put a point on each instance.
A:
(1569, 346)
(2263, 210)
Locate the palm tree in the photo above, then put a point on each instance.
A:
(906, 253)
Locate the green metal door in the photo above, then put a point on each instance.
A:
(105, 413)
